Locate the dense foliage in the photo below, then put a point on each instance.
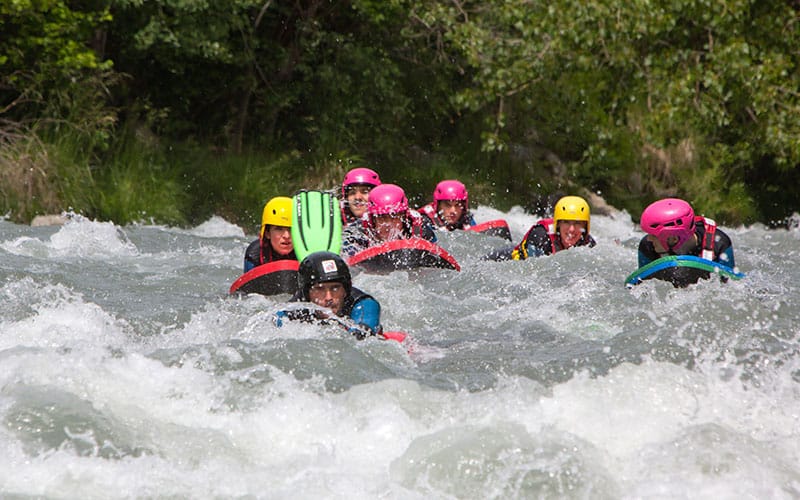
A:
(176, 109)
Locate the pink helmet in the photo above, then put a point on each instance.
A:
(388, 199)
(668, 217)
(360, 175)
(451, 190)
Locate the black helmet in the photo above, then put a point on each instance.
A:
(321, 267)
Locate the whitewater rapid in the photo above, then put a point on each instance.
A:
(128, 371)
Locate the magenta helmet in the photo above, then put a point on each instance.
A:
(360, 175)
(669, 217)
(451, 190)
(388, 199)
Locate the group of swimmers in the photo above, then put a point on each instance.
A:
(374, 213)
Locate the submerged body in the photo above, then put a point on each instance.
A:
(568, 228)
(324, 279)
(388, 218)
(673, 229)
(720, 245)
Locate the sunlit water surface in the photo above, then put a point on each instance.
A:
(128, 371)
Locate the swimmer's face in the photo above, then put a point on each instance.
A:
(330, 294)
(571, 231)
(280, 238)
(358, 198)
(451, 211)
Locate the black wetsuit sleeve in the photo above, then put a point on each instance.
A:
(252, 256)
(297, 314)
(539, 242)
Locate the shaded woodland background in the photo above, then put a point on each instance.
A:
(173, 110)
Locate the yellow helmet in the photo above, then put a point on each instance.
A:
(277, 212)
(571, 208)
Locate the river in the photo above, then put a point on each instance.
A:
(128, 371)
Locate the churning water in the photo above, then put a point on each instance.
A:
(127, 371)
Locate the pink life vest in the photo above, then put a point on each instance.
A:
(431, 211)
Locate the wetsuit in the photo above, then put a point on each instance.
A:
(541, 239)
(255, 256)
(720, 244)
(359, 307)
(360, 235)
(431, 210)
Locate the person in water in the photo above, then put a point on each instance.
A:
(356, 186)
(388, 218)
(568, 228)
(673, 229)
(449, 209)
(275, 238)
(324, 279)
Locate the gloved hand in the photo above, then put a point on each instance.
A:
(360, 331)
(279, 317)
(304, 315)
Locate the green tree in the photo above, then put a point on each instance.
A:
(46, 57)
(313, 76)
(702, 94)
(53, 88)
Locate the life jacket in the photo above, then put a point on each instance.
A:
(351, 300)
(707, 245)
(431, 211)
(520, 251)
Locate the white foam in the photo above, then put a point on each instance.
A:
(516, 386)
(78, 237)
(56, 317)
(217, 227)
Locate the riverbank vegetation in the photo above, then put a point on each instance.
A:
(173, 110)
